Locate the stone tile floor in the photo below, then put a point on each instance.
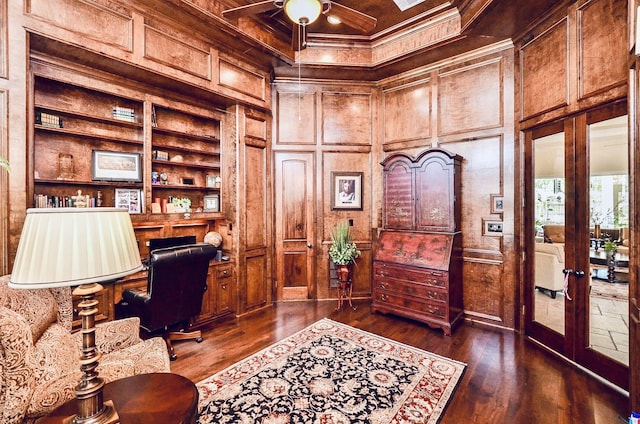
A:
(609, 323)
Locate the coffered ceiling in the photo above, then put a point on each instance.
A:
(430, 31)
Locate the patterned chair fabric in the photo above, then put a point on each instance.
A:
(40, 357)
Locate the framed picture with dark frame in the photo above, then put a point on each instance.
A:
(497, 203)
(346, 190)
(116, 166)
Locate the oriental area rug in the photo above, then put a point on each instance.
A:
(331, 373)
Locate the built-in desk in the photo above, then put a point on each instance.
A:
(218, 300)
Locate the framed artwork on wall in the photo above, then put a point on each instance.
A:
(346, 190)
(497, 203)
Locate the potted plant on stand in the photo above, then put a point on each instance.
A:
(343, 253)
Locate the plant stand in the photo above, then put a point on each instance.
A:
(611, 267)
(345, 287)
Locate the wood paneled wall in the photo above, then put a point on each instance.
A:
(465, 107)
(574, 60)
(338, 123)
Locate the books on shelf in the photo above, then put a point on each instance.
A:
(124, 114)
(48, 120)
(72, 201)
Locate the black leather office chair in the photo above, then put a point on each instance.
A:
(176, 282)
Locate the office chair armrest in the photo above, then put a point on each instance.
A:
(136, 297)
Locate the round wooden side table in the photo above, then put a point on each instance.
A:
(144, 399)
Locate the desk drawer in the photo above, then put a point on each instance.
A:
(429, 277)
(406, 288)
(388, 300)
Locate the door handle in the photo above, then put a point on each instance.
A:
(309, 245)
(569, 271)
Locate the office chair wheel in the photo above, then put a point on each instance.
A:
(199, 339)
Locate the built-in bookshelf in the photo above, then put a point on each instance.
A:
(72, 122)
(185, 160)
(90, 150)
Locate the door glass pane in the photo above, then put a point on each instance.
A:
(609, 233)
(549, 193)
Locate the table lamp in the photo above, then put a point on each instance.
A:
(78, 247)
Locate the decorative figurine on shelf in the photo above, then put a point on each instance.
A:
(343, 253)
(79, 200)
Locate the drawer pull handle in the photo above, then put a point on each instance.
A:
(383, 298)
(382, 286)
(224, 286)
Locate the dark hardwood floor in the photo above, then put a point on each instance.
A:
(508, 378)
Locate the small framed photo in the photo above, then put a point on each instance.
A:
(346, 190)
(212, 203)
(497, 203)
(130, 199)
(210, 181)
(491, 227)
(116, 166)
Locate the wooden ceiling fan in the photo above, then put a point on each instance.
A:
(304, 12)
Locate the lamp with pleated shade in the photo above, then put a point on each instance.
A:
(78, 247)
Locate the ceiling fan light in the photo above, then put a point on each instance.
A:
(333, 20)
(303, 12)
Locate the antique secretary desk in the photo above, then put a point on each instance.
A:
(417, 268)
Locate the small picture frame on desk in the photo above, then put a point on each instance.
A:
(130, 199)
(210, 181)
(212, 203)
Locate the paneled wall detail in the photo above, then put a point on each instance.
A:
(241, 80)
(255, 192)
(256, 127)
(108, 26)
(254, 296)
(347, 118)
(4, 38)
(544, 66)
(170, 51)
(575, 60)
(601, 31)
(471, 98)
(4, 185)
(400, 126)
(296, 117)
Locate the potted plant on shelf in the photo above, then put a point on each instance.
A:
(343, 252)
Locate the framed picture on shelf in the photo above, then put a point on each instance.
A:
(211, 181)
(346, 190)
(116, 166)
(130, 199)
(212, 203)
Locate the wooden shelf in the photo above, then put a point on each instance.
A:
(214, 166)
(116, 184)
(89, 117)
(209, 139)
(96, 137)
(182, 187)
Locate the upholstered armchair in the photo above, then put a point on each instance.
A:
(549, 263)
(39, 356)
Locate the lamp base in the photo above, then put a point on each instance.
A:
(91, 407)
(107, 416)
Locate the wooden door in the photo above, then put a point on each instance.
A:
(294, 212)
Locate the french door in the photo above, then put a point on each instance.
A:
(576, 300)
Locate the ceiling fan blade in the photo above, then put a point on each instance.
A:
(249, 9)
(298, 38)
(353, 18)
